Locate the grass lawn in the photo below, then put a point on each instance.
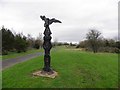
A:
(15, 54)
(76, 69)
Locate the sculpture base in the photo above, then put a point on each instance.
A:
(51, 74)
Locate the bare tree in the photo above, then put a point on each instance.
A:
(93, 37)
(39, 41)
(30, 40)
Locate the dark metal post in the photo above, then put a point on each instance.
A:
(47, 42)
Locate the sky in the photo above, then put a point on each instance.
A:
(77, 17)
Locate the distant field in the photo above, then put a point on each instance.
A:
(15, 54)
(76, 69)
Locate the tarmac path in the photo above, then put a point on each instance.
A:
(10, 62)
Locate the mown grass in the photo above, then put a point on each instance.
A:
(76, 69)
(15, 54)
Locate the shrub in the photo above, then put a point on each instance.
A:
(4, 52)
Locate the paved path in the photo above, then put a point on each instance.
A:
(10, 62)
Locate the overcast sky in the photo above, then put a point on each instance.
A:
(77, 16)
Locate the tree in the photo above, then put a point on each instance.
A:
(83, 44)
(93, 39)
(38, 41)
(20, 43)
(112, 43)
(71, 44)
(7, 40)
(37, 44)
(118, 44)
(31, 41)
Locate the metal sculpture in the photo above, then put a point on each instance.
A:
(47, 42)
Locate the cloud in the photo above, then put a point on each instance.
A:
(76, 16)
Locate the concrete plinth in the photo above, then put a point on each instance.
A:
(42, 73)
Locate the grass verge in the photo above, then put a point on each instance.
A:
(76, 69)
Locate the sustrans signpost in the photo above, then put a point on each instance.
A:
(47, 43)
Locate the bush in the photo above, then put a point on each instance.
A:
(117, 50)
(77, 46)
(37, 46)
(4, 52)
(109, 49)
